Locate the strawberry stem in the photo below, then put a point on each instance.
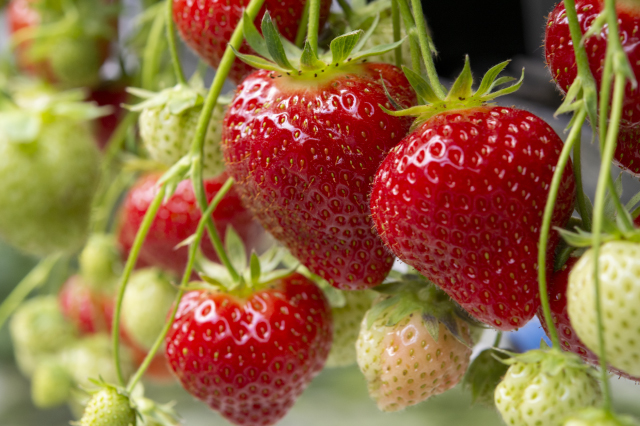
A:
(34, 279)
(173, 45)
(149, 216)
(304, 21)
(574, 137)
(197, 145)
(414, 47)
(186, 276)
(346, 8)
(314, 25)
(395, 19)
(152, 51)
(581, 197)
(496, 342)
(425, 47)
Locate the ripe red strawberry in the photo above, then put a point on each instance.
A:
(568, 336)
(72, 57)
(303, 149)
(89, 310)
(249, 354)
(561, 61)
(461, 200)
(206, 26)
(178, 219)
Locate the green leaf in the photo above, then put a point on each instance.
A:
(420, 85)
(235, 250)
(342, 46)
(377, 50)
(461, 88)
(254, 265)
(274, 43)
(484, 375)
(253, 37)
(20, 127)
(490, 76)
(506, 90)
(258, 62)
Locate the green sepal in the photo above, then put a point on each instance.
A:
(255, 269)
(377, 50)
(20, 127)
(484, 374)
(235, 248)
(274, 43)
(420, 85)
(309, 60)
(253, 37)
(367, 34)
(597, 416)
(259, 62)
(342, 46)
(177, 99)
(461, 88)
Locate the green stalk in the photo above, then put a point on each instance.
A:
(304, 21)
(425, 47)
(186, 276)
(498, 339)
(598, 217)
(395, 18)
(34, 279)
(314, 25)
(197, 145)
(414, 46)
(173, 45)
(149, 216)
(605, 95)
(151, 54)
(581, 197)
(346, 8)
(574, 136)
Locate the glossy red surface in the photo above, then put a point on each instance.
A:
(250, 358)
(461, 200)
(206, 26)
(177, 220)
(560, 55)
(90, 311)
(559, 312)
(304, 154)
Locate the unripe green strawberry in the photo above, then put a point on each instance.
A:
(92, 358)
(147, 300)
(544, 387)
(38, 330)
(168, 122)
(410, 348)
(108, 407)
(619, 290)
(49, 169)
(50, 385)
(598, 417)
(76, 62)
(100, 261)
(346, 326)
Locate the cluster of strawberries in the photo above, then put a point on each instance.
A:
(347, 161)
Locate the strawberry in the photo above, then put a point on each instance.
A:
(49, 169)
(62, 42)
(168, 122)
(619, 284)
(146, 302)
(112, 95)
(461, 199)
(89, 310)
(598, 417)
(38, 330)
(303, 144)
(559, 311)
(544, 387)
(50, 385)
(347, 317)
(100, 263)
(178, 219)
(206, 26)
(250, 352)
(562, 64)
(108, 407)
(411, 346)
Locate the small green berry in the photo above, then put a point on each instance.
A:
(108, 407)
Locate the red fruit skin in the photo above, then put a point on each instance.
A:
(113, 96)
(560, 314)
(304, 156)
(561, 61)
(21, 15)
(461, 200)
(177, 219)
(90, 311)
(250, 358)
(206, 26)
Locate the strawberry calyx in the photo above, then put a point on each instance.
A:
(407, 294)
(484, 374)
(281, 56)
(460, 96)
(552, 361)
(254, 275)
(593, 416)
(22, 120)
